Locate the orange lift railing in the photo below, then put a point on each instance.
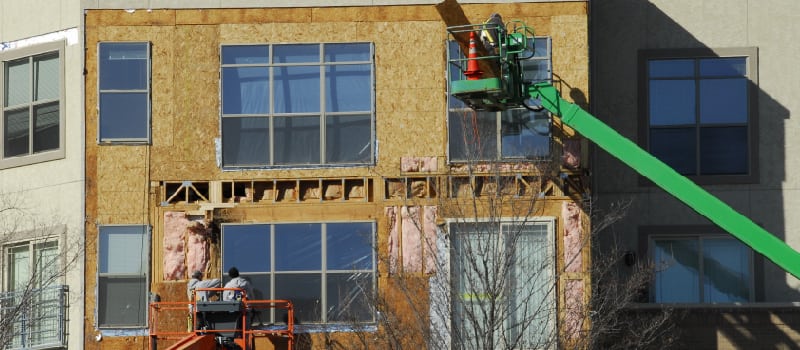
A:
(211, 324)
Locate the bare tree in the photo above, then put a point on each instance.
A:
(38, 252)
(489, 278)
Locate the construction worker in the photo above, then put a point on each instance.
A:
(198, 282)
(194, 283)
(236, 282)
(490, 35)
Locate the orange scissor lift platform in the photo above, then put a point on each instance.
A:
(218, 324)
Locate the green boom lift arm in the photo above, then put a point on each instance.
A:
(495, 93)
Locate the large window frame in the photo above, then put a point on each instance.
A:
(270, 117)
(123, 92)
(119, 305)
(39, 100)
(667, 246)
(700, 113)
(292, 253)
(521, 330)
(512, 135)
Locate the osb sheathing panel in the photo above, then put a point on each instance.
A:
(410, 85)
(103, 18)
(410, 94)
(276, 15)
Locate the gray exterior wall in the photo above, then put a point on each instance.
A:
(619, 30)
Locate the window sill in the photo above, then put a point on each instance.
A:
(32, 159)
(124, 332)
(228, 168)
(716, 306)
(335, 327)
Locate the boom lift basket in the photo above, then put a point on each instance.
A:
(497, 51)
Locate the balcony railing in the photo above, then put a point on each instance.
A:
(34, 319)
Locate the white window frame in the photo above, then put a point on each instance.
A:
(549, 223)
(322, 114)
(33, 158)
(100, 92)
(541, 119)
(33, 246)
(323, 272)
(146, 239)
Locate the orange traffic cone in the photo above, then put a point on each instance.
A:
(473, 72)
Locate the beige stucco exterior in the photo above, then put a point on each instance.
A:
(51, 192)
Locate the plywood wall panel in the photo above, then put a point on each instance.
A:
(130, 18)
(264, 15)
(196, 117)
(518, 10)
(247, 33)
(375, 14)
(122, 204)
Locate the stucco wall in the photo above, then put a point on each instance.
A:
(51, 193)
(622, 27)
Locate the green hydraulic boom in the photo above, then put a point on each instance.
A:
(507, 89)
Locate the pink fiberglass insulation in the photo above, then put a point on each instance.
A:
(198, 255)
(571, 215)
(411, 239)
(492, 167)
(573, 318)
(429, 250)
(174, 240)
(571, 156)
(394, 244)
(418, 164)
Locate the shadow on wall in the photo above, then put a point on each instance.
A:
(619, 29)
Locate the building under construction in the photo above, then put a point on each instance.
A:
(315, 149)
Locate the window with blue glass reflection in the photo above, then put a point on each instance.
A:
(507, 135)
(698, 114)
(327, 270)
(701, 269)
(124, 84)
(304, 94)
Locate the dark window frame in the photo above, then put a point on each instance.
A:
(648, 233)
(751, 56)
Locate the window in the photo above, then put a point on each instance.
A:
(124, 98)
(122, 276)
(504, 273)
(507, 135)
(701, 269)
(699, 110)
(32, 100)
(297, 104)
(326, 269)
(33, 299)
